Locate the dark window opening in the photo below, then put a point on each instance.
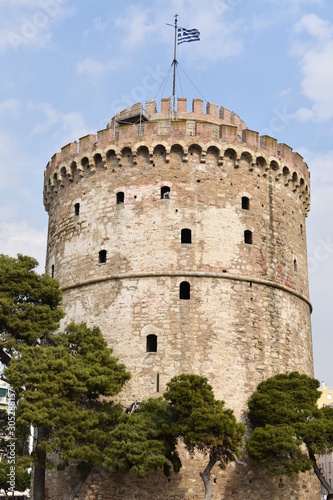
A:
(158, 382)
(165, 193)
(120, 198)
(245, 203)
(248, 237)
(295, 265)
(52, 271)
(102, 256)
(184, 290)
(186, 236)
(151, 343)
(77, 208)
(301, 228)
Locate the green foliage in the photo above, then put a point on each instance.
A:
(278, 450)
(22, 477)
(146, 439)
(135, 443)
(200, 420)
(29, 302)
(59, 388)
(142, 441)
(283, 399)
(285, 417)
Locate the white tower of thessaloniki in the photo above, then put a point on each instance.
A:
(182, 235)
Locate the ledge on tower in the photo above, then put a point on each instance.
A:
(134, 114)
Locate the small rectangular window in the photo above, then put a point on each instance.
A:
(165, 193)
(120, 197)
(151, 343)
(77, 208)
(186, 236)
(102, 256)
(184, 290)
(245, 203)
(248, 237)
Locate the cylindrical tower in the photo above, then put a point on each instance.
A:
(182, 235)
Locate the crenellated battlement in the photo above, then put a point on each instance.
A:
(136, 132)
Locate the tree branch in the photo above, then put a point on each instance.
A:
(318, 472)
(233, 454)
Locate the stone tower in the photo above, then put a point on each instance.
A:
(182, 235)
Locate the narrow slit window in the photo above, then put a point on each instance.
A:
(52, 271)
(77, 208)
(165, 193)
(295, 265)
(184, 290)
(248, 237)
(151, 343)
(245, 203)
(158, 382)
(186, 236)
(102, 256)
(120, 198)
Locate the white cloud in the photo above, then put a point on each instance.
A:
(304, 115)
(66, 126)
(314, 25)
(10, 157)
(20, 237)
(9, 106)
(140, 26)
(51, 117)
(95, 69)
(315, 55)
(221, 33)
(321, 166)
(29, 24)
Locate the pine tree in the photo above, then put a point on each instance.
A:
(61, 389)
(289, 429)
(29, 304)
(203, 422)
(147, 438)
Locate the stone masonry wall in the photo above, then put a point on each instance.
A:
(244, 200)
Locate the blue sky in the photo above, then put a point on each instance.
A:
(67, 66)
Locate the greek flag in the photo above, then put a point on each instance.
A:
(185, 35)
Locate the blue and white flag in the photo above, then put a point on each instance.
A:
(185, 35)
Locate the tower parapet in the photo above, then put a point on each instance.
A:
(217, 130)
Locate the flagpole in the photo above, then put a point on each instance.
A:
(174, 68)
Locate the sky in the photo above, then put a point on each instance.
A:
(67, 66)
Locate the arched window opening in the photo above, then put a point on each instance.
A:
(245, 203)
(102, 256)
(295, 265)
(248, 237)
(151, 343)
(120, 198)
(85, 163)
(52, 271)
(186, 236)
(77, 208)
(184, 290)
(165, 193)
